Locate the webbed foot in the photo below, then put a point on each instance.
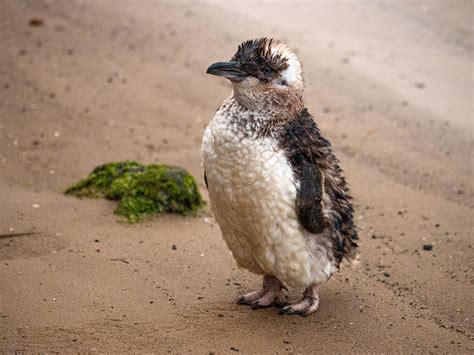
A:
(271, 294)
(307, 305)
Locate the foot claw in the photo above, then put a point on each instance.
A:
(243, 301)
(257, 305)
(249, 298)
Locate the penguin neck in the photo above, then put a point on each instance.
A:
(271, 103)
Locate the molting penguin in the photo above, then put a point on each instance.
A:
(275, 186)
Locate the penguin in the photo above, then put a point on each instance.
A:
(275, 187)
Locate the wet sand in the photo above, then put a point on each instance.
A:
(389, 84)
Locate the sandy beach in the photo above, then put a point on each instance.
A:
(88, 82)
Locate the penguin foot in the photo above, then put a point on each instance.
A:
(271, 294)
(307, 305)
(249, 298)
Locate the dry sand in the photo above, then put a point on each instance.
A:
(390, 85)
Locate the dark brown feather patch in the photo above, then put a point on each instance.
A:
(317, 170)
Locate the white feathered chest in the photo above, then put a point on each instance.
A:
(252, 192)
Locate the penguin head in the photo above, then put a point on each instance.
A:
(262, 65)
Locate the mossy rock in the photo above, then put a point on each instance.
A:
(142, 190)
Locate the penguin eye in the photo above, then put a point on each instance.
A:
(267, 71)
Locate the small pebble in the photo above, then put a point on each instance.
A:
(427, 247)
(36, 22)
(174, 247)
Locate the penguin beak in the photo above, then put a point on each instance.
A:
(229, 70)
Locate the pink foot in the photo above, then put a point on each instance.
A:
(307, 305)
(271, 294)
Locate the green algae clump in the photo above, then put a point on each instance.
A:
(141, 190)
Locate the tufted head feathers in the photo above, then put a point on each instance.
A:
(263, 64)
